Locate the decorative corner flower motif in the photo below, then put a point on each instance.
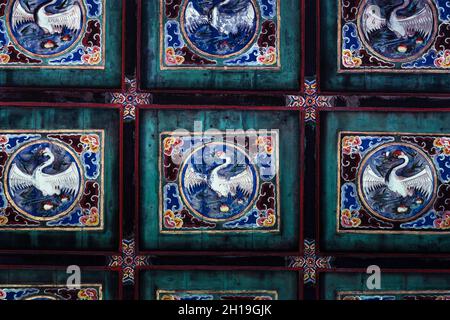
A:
(267, 219)
(91, 219)
(265, 143)
(349, 219)
(92, 141)
(172, 58)
(170, 144)
(2, 294)
(3, 220)
(172, 221)
(443, 222)
(3, 139)
(88, 294)
(443, 144)
(351, 144)
(4, 58)
(350, 61)
(443, 59)
(92, 55)
(268, 56)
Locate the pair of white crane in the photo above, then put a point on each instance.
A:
(228, 16)
(68, 181)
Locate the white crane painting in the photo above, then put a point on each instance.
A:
(43, 180)
(397, 181)
(46, 27)
(397, 30)
(221, 187)
(221, 27)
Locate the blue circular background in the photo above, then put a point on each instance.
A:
(384, 41)
(385, 202)
(203, 199)
(210, 41)
(32, 38)
(31, 200)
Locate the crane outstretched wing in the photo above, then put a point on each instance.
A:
(420, 22)
(20, 15)
(193, 179)
(238, 21)
(71, 19)
(371, 180)
(372, 20)
(194, 19)
(18, 180)
(67, 181)
(232, 6)
(243, 181)
(423, 181)
(248, 17)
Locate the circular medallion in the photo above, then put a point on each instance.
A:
(220, 28)
(397, 30)
(218, 182)
(43, 180)
(397, 182)
(45, 28)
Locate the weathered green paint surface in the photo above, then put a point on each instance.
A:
(152, 122)
(331, 283)
(16, 118)
(284, 282)
(331, 124)
(110, 77)
(331, 80)
(287, 78)
(108, 279)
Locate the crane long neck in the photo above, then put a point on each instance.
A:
(46, 163)
(223, 3)
(401, 166)
(402, 6)
(223, 165)
(43, 6)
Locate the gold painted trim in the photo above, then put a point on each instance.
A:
(43, 66)
(160, 292)
(393, 69)
(236, 133)
(162, 66)
(101, 132)
(338, 202)
(97, 286)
